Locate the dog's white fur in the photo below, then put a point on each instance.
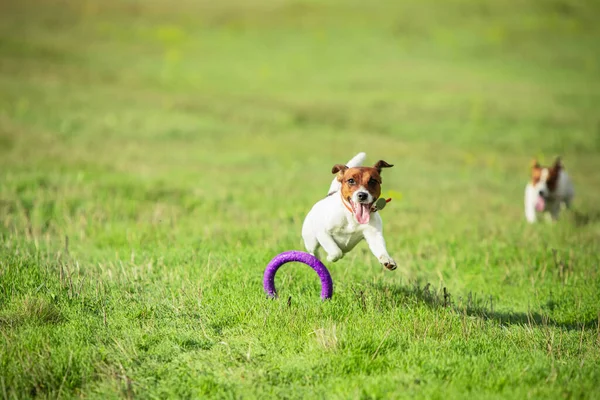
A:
(563, 194)
(331, 226)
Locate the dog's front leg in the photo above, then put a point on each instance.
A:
(530, 213)
(334, 253)
(376, 242)
(530, 198)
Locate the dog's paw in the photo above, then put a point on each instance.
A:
(333, 257)
(388, 262)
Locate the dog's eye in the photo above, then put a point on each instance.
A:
(372, 181)
(351, 181)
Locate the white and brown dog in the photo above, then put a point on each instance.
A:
(347, 215)
(548, 189)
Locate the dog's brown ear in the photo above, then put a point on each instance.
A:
(557, 163)
(535, 163)
(339, 169)
(381, 164)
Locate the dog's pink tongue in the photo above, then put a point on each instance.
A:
(362, 212)
(540, 204)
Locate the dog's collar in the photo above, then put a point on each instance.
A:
(345, 203)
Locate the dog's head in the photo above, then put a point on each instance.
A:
(361, 186)
(544, 180)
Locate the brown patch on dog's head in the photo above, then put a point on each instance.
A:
(549, 174)
(536, 171)
(354, 178)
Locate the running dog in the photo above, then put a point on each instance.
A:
(548, 189)
(348, 214)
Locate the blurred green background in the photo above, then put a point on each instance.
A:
(155, 155)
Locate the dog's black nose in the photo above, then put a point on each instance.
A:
(542, 193)
(362, 196)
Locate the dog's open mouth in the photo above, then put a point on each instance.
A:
(540, 204)
(362, 212)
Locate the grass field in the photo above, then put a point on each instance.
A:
(155, 155)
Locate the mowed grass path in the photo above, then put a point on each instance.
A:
(154, 156)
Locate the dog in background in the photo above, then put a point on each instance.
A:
(547, 191)
(348, 214)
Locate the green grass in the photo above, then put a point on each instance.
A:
(154, 156)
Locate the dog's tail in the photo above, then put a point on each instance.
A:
(355, 161)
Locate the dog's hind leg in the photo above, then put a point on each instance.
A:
(310, 243)
(554, 209)
(334, 252)
(568, 202)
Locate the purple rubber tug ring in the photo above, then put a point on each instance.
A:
(298, 256)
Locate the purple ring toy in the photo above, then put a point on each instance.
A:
(299, 256)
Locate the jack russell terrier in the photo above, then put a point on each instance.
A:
(548, 189)
(348, 214)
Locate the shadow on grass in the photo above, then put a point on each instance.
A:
(480, 307)
(583, 219)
